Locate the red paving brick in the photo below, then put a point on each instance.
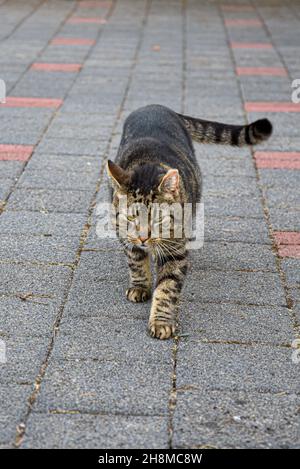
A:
(272, 107)
(273, 71)
(236, 8)
(288, 243)
(13, 101)
(277, 160)
(289, 251)
(287, 237)
(80, 20)
(251, 45)
(15, 152)
(243, 22)
(69, 41)
(47, 67)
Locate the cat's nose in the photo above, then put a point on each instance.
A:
(143, 239)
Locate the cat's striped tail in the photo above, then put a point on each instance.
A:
(203, 131)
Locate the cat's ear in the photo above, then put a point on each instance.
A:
(170, 181)
(118, 175)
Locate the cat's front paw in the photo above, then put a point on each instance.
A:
(161, 330)
(138, 294)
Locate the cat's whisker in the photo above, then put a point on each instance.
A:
(160, 252)
(163, 249)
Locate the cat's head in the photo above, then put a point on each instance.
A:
(149, 191)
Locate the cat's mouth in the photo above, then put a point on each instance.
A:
(145, 246)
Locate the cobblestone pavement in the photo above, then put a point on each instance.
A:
(81, 370)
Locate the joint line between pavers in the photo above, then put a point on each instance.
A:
(252, 343)
(269, 34)
(289, 302)
(2, 208)
(173, 391)
(21, 428)
(26, 17)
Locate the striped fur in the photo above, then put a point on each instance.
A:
(203, 131)
(156, 163)
(140, 275)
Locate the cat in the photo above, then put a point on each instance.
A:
(156, 164)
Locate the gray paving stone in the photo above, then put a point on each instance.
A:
(247, 35)
(85, 119)
(235, 367)
(6, 187)
(274, 180)
(263, 82)
(94, 241)
(291, 268)
(227, 167)
(13, 406)
(289, 200)
(232, 206)
(102, 296)
(96, 431)
(280, 143)
(236, 229)
(80, 133)
(38, 284)
(294, 294)
(100, 265)
(10, 169)
(91, 106)
(20, 138)
(20, 125)
(286, 219)
(235, 323)
(46, 224)
(232, 256)
(43, 200)
(260, 60)
(247, 288)
(69, 30)
(38, 249)
(277, 178)
(107, 338)
(25, 356)
(64, 180)
(31, 317)
(18, 279)
(230, 187)
(270, 95)
(219, 419)
(10, 113)
(74, 386)
(99, 287)
(71, 146)
(66, 164)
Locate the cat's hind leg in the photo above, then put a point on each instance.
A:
(140, 275)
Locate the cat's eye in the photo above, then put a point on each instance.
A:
(130, 217)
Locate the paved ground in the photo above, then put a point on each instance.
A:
(81, 371)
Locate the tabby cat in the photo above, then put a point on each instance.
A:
(156, 164)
